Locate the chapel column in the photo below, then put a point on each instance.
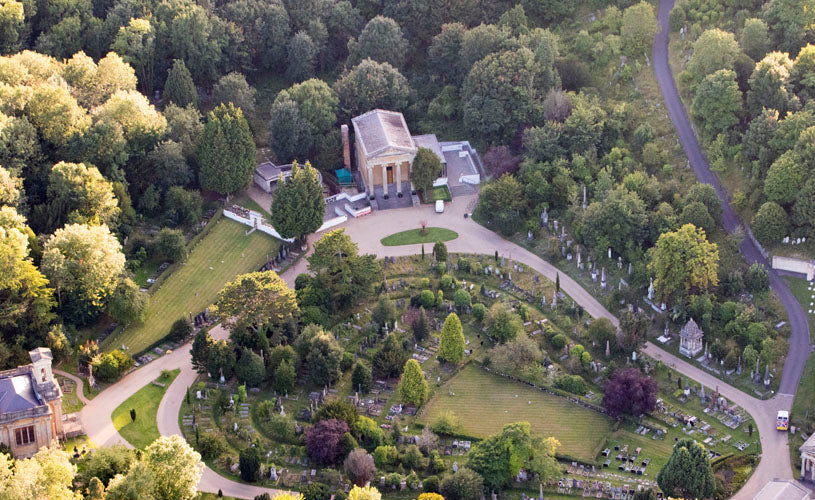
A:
(803, 465)
(370, 181)
(398, 167)
(385, 179)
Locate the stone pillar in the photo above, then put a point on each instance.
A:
(803, 465)
(811, 470)
(346, 146)
(398, 168)
(385, 180)
(370, 181)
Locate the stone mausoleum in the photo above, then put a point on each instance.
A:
(385, 151)
(690, 339)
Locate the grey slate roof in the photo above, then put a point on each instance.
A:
(379, 129)
(17, 394)
(691, 330)
(430, 142)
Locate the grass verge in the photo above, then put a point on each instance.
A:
(414, 236)
(220, 256)
(144, 429)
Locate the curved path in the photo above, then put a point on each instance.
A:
(80, 386)
(778, 465)
(367, 232)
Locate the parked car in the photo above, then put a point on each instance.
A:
(439, 206)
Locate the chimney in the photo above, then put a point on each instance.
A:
(346, 146)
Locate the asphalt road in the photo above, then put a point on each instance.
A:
(800, 348)
(775, 460)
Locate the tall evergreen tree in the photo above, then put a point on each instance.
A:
(413, 386)
(298, 205)
(179, 87)
(227, 151)
(688, 473)
(451, 347)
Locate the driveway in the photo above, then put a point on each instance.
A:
(800, 349)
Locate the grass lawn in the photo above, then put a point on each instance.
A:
(442, 193)
(80, 442)
(144, 430)
(485, 403)
(413, 236)
(70, 402)
(222, 254)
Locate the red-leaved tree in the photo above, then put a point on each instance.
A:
(324, 440)
(499, 160)
(628, 392)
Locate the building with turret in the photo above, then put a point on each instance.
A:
(30, 405)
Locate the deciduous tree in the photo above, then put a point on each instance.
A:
(323, 441)
(360, 466)
(260, 299)
(638, 28)
(718, 102)
(370, 85)
(382, 41)
(502, 324)
(715, 49)
(771, 223)
(85, 263)
(628, 392)
(683, 262)
(175, 468)
(425, 170)
(233, 88)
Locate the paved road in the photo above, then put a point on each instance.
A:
(800, 347)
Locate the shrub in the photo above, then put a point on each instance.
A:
(282, 428)
(180, 330)
(110, 366)
(446, 281)
(430, 485)
(412, 458)
(572, 383)
(446, 424)
(465, 484)
(463, 264)
(558, 341)
(360, 466)
(210, 445)
(462, 298)
(316, 491)
(479, 311)
(427, 299)
(249, 464)
(393, 480)
(347, 361)
(385, 456)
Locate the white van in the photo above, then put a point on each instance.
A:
(439, 206)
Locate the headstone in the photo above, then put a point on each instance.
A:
(651, 291)
(544, 217)
(619, 262)
(609, 252)
(584, 197)
(555, 225)
(608, 349)
(603, 279)
(529, 235)
(629, 269)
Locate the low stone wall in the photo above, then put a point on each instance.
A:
(800, 266)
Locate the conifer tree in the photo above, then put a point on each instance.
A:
(451, 347)
(179, 87)
(227, 151)
(413, 386)
(298, 206)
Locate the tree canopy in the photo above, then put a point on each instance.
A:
(683, 262)
(298, 206)
(227, 151)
